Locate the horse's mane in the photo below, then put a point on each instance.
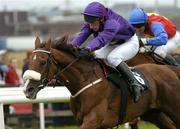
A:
(62, 44)
(64, 47)
(59, 44)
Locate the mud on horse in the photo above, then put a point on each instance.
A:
(95, 99)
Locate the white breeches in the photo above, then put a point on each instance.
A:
(115, 54)
(170, 47)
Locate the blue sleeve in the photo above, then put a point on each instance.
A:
(111, 28)
(160, 35)
(82, 36)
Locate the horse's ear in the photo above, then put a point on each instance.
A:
(37, 43)
(48, 43)
(65, 38)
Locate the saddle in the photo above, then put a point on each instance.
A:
(173, 59)
(116, 77)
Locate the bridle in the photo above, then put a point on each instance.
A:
(51, 60)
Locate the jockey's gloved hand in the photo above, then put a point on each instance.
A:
(73, 46)
(142, 42)
(84, 52)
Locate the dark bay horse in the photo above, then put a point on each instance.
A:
(160, 119)
(95, 100)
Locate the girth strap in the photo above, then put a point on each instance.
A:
(118, 79)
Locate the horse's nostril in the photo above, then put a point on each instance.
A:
(30, 90)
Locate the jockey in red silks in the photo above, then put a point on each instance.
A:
(114, 40)
(155, 30)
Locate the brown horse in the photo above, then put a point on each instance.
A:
(95, 99)
(150, 57)
(158, 118)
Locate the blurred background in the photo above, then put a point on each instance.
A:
(22, 20)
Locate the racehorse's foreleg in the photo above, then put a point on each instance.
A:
(166, 121)
(159, 119)
(89, 122)
(93, 119)
(134, 124)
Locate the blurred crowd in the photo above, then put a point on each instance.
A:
(10, 77)
(8, 71)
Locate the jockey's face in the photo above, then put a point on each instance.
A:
(140, 30)
(95, 25)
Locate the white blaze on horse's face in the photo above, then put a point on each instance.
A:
(25, 85)
(30, 75)
(34, 58)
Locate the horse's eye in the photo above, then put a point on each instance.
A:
(43, 63)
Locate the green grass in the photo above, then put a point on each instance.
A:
(141, 126)
(147, 126)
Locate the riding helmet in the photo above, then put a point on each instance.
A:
(138, 16)
(93, 12)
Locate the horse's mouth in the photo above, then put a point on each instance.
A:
(29, 96)
(31, 93)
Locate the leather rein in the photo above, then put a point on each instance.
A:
(51, 60)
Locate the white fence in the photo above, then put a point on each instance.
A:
(16, 95)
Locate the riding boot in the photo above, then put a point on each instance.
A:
(135, 86)
(170, 60)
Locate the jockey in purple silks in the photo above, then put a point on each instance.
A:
(114, 40)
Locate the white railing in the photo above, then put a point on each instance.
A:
(16, 95)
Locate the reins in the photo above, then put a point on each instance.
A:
(153, 54)
(51, 59)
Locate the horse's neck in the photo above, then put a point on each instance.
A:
(80, 74)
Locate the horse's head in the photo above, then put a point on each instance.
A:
(35, 77)
(42, 67)
(58, 61)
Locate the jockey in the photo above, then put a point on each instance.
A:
(156, 30)
(114, 40)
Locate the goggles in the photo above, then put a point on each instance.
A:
(138, 25)
(90, 19)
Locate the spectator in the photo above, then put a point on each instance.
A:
(3, 67)
(11, 77)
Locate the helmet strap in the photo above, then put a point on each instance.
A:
(146, 25)
(101, 28)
